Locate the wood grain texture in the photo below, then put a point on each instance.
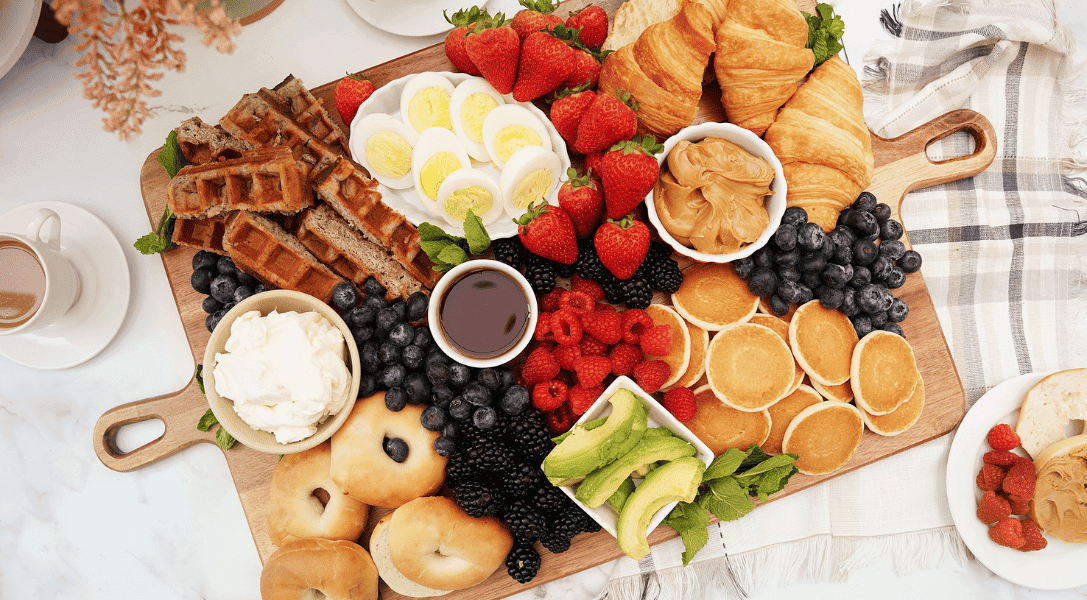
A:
(901, 166)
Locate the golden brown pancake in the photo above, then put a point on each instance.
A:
(843, 392)
(696, 366)
(784, 411)
(824, 436)
(713, 296)
(722, 427)
(748, 366)
(883, 372)
(680, 353)
(822, 341)
(781, 328)
(901, 418)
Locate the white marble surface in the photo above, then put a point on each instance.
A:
(71, 528)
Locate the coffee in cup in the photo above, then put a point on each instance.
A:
(37, 283)
(22, 283)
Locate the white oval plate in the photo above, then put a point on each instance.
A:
(409, 18)
(386, 99)
(1058, 566)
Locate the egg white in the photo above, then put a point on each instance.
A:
(509, 115)
(465, 178)
(434, 141)
(417, 84)
(374, 123)
(523, 163)
(465, 90)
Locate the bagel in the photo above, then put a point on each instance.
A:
(397, 582)
(364, 471)
(337, 569)
(304, 502)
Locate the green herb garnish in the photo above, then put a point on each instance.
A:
(171, 157)
(825, 30)
(223, 439)
(447, 251)
(172, 160)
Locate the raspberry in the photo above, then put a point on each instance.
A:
(591, 370)
(1003, 458)
(1019, 482)
(1002, 437)
(560, 420)
(581, 397)
(680, 402)
(593, 347)
(549, 395)
(605, 307)
(1008, 532)
(565, 326)
(549, 302)
(577, 301)
(602, 325)
(542, 332)
(588, 286)
(624, 357)
(657, 340)
(1019, 507)
(566, 355)
(990, 477)
(1033, 536)
(540, 366)
(651, 375)
(993, 508)
(635, 322)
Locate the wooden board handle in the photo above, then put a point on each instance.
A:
(180, 412)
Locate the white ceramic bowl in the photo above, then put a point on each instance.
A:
(743, 138)
(658, 417)
(434, 309)
(266, 302)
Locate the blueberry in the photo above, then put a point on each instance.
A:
(212, 320)
(862, 276)
(401, 309)
(763, 282)
(451, 429)
(211, 305)
(438, 373)
(396, 448)
(389, 353)
(869, 298)
(367, 385)
(865, 201)
(423, 338)
(373, 287)
(242, 292)
(460, 409)
(836, 276)
(386, 318)
(842, 235)
(764, 258)
(842, 255)
(812, 263)
(744, 267)
(402, 333)
(881, 268)
(488, 378)
(506, 378)
(396, 398)
(894, 328)
(892, 249)
(434, 354)
(791, 273)
(225, 265)
(222, 288)
(260, 288)
(375, 302)
(862, 324)
(843, 217)
(806, 295)
(441, 394)
(849, 303)
(830, 297)
(795, 216)
(910, 261)
(417, 387)
(368, 356)
(360, 315)
(810, 236)
(863, 223)
(477, 394)
(864, 252)
(362, 335)
(433, 418)
(899, 311)
(896, 278)
(812, 279)
(247, 280)
(515, 400)
(484, 417)
(882, 212)
(879, 319)
(891, 230)
(445, 445)
(201, 280)
(785, 237)
(789, 291)
(345, 295)
(788, 258)
(459, 375)
(778, 306)
(204, 259)
(417, 306)
(412, 356)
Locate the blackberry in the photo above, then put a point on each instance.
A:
(569, 523)
(540, 274)
(477, 499)
(663, 273)
(529, 432)
(548, 498)
(637, 292)
(563, 270)
(495, 458)
(459, 470)
(524, 522)
(612, 286)
(556, 543)
(588, 263)
(509, 251)
(523, 478)
(523, 562)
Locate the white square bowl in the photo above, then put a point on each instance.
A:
(658, 417)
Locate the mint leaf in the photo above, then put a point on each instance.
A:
(476, 234)
(223, 439)
(825, 31)
(157, 240)
(452, 255)
(770, 463)
(430, 232)
(724, 465)
(434, 247)
(691, 521)
(199, 376)
(207, 421)
(171, 157)
(774, 481)
(727, 500)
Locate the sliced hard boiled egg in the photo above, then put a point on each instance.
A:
(472, 101)
(509, 128)
(469, 189)
(386, 149)
(424, 103)
(437, 153)
(531, 174)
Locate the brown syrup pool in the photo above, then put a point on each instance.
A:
(483, 314)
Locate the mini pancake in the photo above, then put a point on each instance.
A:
(749, 367)
(901, 418)
(679, 355)
(824, 436)
(764, 308)
(822, 341)
(713, 296)
(781, 328)
(784, 411)
(696, 366)
(843, 392)
(722, 427)
(883, 372)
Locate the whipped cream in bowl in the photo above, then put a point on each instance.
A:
(280, 372)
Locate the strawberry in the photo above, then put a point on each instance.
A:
(581, 397)
(545, 63)
(622, 245)
(593, 22)
(993, 508)
(463, 21)
(582, 199)
(657, 341)
(547, 231)
(350, 93)
(592, 163)
(1003, 437)
(624, 357)
(610, 119)
(651, 375)
(603, 325)
(680, 402)
(586, 70)
(549, 395)
(1033, 536)
(1008, 532)
(494, 49)
(591, 370)
(536, 16)
(540, 366)
(629, 172)
(567, 109)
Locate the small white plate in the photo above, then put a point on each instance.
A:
(410, 18)
(96, 317)
(18, 19)
(1058, 566)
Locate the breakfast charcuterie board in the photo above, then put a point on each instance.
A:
(901, 165)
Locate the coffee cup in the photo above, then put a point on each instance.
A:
(37, 283)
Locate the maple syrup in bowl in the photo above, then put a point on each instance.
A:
(483, 313)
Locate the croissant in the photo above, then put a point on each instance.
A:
(823, 143)
(760, 59)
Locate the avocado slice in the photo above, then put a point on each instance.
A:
(586, 450)
(620, 496)
(603, 482)
(676, 480)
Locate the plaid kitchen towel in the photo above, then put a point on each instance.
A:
(1004, 262)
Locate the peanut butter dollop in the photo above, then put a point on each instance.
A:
(712, 197)
(1060, 497)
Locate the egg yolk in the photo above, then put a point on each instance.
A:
(389, 154)
(534, 186)
(473, 112)
(474, 197)
(435, 170)
(512, 138)
(430, 108)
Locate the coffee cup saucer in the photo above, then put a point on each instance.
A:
(96, 317)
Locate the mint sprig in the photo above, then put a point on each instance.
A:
(223, 439)
(446, 250)
(171, 159)
(825, 31)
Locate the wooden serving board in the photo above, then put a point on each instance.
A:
(901, 165)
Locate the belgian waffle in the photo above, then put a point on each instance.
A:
(324, 233)
(267, 180)
(351, 193)
(266, 251)
(202, 234)
(310, 113)
(202, 143)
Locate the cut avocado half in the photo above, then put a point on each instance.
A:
(676, 480)
(599, 485)
(586, 450)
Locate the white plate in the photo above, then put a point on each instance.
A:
(18, 19)
(411, 18)
(96, 317)
(386, 99)
(1058, 566)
